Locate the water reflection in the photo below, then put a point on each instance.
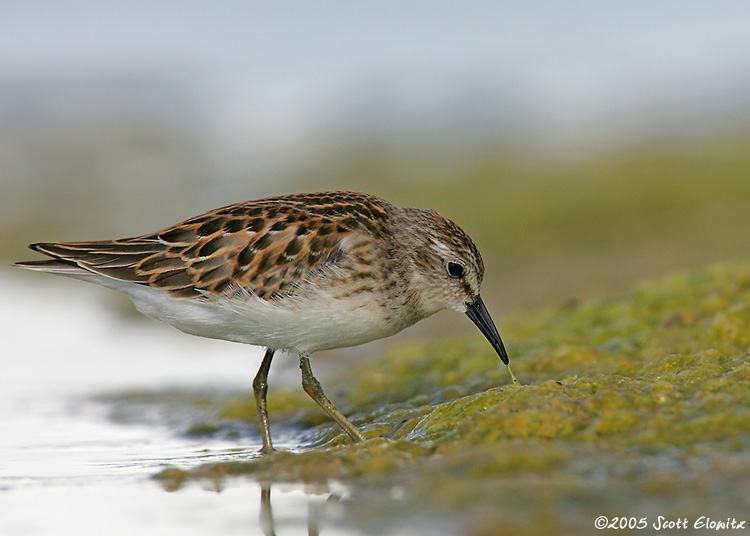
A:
(319, 501)
(291, 504)
(67, 465)
(266, 512)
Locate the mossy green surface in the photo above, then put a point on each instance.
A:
(636, 404)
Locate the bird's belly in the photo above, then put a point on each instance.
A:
(299, 325)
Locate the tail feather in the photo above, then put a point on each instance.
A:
(116, 259)
(53, 266)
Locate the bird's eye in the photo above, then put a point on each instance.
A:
(455, 269)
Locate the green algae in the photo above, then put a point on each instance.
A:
(631, 404)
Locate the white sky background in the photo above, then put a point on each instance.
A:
(292, 67)
(255, 90)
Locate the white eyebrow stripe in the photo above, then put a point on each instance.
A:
(441, 247)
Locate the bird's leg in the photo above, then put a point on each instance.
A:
(312, 387)
(260, 387)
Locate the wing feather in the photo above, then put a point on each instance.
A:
(267, 247)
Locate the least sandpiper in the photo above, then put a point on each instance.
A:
(301, 273)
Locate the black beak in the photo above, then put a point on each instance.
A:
(478, 313)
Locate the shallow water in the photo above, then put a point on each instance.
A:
(68, 468)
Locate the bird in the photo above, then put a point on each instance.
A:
(300, 273)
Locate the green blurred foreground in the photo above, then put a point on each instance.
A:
(633, 405)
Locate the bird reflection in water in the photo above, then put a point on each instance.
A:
(316, 508)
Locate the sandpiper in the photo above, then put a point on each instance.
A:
(301, 273)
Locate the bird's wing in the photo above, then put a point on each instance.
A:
(267, 247)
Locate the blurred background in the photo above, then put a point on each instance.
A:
(584, 145)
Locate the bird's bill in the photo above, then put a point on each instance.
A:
(476, 310)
